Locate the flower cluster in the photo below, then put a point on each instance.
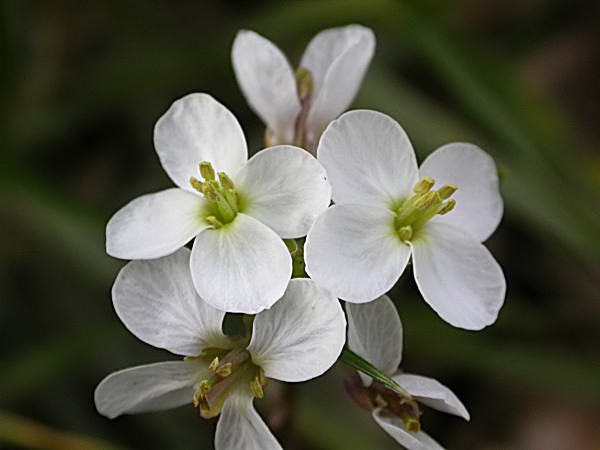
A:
(333, 208)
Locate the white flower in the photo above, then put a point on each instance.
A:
(238, 214)
(299, 338)
(386, 210)
(297, 108)
(375, 333)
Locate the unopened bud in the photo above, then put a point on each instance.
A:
(423, 185)
(446, 191)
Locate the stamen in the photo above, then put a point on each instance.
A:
(214, 364)
(426, 200)
(207, 171)
(256, 387)
(213, 221)
(196, 184)
(224, 370)
(423, 186)
(446, 191)
(447, 207)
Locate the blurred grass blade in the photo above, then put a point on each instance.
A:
(26, 433)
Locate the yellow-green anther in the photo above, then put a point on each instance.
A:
(405, 232)
(197, 184)
(256, 388)
(446, 191)
(447, 207)
(426, 200)
(304, 83)
(423, 186)
(214, 364)
(225, 181)
(224, 370)
(207, 171)
(204, 387)
(411, 424)
(213, 221)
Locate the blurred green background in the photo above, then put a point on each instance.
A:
(82, 84)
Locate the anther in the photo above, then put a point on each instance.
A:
(446, 191)
(447, 207)
(425, 201)
(256, 387)
(225, 181)
(214, 364)
(197, 184)
(207, 171)
(224, 370)
(423, 186)
(213, 221)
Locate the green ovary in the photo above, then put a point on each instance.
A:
(414, 212)
(222, 201)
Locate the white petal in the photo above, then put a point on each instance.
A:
(241, 267)
(286, 188)
(368, 158)
(301, 336)
(153, 387)
(353, 251)
(241, 428)
(412, 441)
(155, 225)
(458, 276)
(432, 393)
(157, 302)
(479, 205)
(267, 81)
(375, 333)
(198, 128)
(337, 59)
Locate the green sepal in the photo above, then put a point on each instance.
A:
(364, 366)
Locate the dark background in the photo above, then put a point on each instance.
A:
(81, 86)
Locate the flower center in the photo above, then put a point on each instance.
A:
(416, 211)
(379, 396)
(223, 202)
(227, 370)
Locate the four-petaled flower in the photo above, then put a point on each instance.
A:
(386, 209)
(375, 333)
(238, 213)
(296, 108)
(299, 338)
